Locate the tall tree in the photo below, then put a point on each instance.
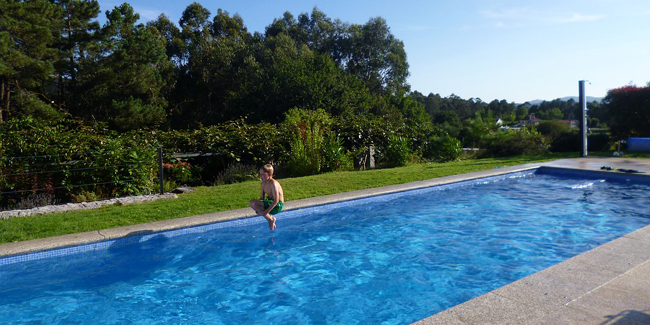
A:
(219, 60)
(27, 33)
(78, 35)
(376, 56)
(122, 86)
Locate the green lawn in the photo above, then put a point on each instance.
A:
(235, 196)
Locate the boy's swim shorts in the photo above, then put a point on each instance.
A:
(276, 209)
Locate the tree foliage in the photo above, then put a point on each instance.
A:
(27, 56)
(629, 108)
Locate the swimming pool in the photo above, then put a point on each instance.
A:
(390, 259)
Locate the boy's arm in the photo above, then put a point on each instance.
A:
(262, 192)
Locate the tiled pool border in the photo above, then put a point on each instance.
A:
(295, 213)
(321, 208)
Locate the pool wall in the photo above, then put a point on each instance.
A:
(95, 240)
(142, 236)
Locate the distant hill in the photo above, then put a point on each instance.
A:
(576, 98)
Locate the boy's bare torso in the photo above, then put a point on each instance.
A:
(269, 187)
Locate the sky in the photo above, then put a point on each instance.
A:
(517, 50)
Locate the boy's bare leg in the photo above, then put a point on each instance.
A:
(258, 206)
(271, 220)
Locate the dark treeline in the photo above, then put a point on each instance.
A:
(205, 70)
(452, 113)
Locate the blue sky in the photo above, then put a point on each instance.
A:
(516, 50)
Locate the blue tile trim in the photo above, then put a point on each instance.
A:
(606, 175)
(103, 245)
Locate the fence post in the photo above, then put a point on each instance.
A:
(160, 171)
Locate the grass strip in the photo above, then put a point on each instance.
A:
(234, 196)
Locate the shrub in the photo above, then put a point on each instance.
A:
(123, 168)
(510, 143)
(397, 153)
(599, 142)
(182, 172)
(34, 201)
(566, 142)
(333, 155)
(444, 148)
(237, 173)
(313, 147)
(552, 129)
(169, 185)
(571, 141)
(84, 196)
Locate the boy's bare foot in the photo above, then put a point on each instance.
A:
(271, 221)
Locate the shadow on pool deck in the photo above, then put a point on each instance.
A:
(606, 285)
(627, 317)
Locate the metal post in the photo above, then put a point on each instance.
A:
(160, 171)
(583, 118)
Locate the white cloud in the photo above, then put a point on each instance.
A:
(577, 18)
(518, 16)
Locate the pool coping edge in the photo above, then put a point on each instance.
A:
(63, 241)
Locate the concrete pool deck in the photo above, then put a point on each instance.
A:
(606, 285)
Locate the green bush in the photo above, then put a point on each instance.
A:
(397, 153)
(599, 142)
(127, 168)
(182, 172)
(314, 148)
(510, 143)
(237, 173)
(65, 158)
(552, 129)
(566, 142)
(333, 155)
(571, 141)
(443, 148)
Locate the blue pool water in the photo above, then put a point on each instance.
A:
(391, 259)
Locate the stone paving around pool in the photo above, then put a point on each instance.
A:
(606, 285)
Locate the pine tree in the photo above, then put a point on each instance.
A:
(27, 34)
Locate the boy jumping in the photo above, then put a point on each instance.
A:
(274, 200)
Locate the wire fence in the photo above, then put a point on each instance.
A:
(84, 176)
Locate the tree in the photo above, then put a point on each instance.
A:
(217, 61)
(629, 108)
(376, 56)
(27, 33)
(78, 36)
(172, 35)
(521, 112)
(122, 85)
(300, 80)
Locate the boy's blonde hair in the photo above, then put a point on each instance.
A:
(268, 168)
